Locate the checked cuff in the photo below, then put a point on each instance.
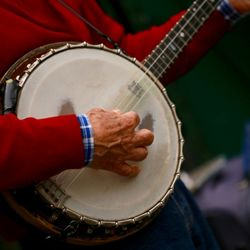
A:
(87, 138)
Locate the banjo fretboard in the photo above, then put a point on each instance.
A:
(161, 58)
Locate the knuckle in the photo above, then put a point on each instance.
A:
(136, 117)
(98, 109)
(133, 116)
(117, 111)
(95, 110)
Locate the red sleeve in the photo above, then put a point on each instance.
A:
(32, 150)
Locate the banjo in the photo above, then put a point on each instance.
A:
(92, 207)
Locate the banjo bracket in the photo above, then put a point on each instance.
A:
(70, 229)
(10, 96)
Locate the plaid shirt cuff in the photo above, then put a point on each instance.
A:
(87, 138)
(228, 11)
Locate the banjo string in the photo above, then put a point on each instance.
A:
(163, 52)
(132, 99)
(129, 99)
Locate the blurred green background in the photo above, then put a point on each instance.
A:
(213, 100)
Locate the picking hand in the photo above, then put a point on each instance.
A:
(117, 142)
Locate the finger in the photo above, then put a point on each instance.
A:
(140, 138)
(143, 137)
(137, 154)
(118, 111)
(131, 119)
(125, 169)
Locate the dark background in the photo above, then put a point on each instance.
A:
(213, 100)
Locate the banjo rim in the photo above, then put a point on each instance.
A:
(36, 56)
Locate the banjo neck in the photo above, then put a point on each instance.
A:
(166, 52)
(169, 49)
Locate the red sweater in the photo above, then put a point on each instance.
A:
(31, 149)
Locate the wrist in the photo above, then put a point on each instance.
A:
(228, 11)
(87, 138)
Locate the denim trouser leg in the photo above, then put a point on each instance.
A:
(180, 225)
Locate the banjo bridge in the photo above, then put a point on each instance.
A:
(136, 89)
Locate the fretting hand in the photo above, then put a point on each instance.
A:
(116, 141)
(242, 6)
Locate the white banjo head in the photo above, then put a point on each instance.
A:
(74, 80)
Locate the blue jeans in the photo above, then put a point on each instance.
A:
(179, 226)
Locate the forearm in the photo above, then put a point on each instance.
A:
(32, 150)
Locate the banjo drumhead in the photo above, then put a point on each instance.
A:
(76, 80)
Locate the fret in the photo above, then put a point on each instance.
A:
(206, 10)
(175, 41)
(170, 52)
(160, 65)
(188, 15)
(161, 56)
(155, 68)
(192, 29)
(183, 27)
(196, 23)
(157, 56)
(174, 46)
(178, 37)
(202, 14)
(160, 50)
(212, 3)
(157, 72)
